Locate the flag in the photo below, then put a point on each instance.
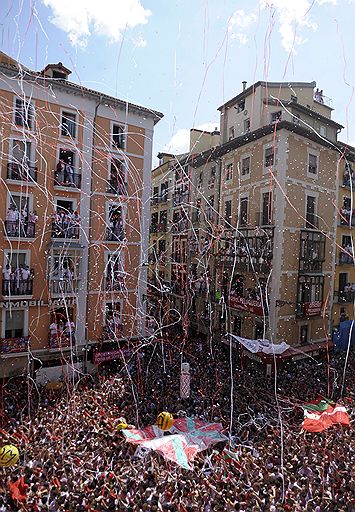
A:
(322, 414)
(201, 433)
(18, 490)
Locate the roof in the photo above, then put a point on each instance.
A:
(37, 76)
(57, 66)
(217, 152)
(252, 88)
(305, 110)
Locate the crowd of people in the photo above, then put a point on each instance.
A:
(73, 458)
(17, 280)
(66, 223)
(20, 222)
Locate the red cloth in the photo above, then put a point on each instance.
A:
(18, 490)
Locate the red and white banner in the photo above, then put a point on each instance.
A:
(252, 306)
(103, 357)
(313, 308)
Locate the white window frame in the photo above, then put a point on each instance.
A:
(248, 129)
(323, 128)
(23, 128)
(243, 157)
(22, 138)
(115, 301)
(112, 157)
(263, 191)
(25, 326)
(315, 153)
(245, 195)
(227, 164)
(316, 196)
(12, 194)
(123, 210)
(231, 133)
(272, 146)
(114, 148)
(225, 199)
(66, 138)
(107, 258)
(64, 198)
(27, 252)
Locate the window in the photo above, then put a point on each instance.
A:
(276, 116)
(164, 191)
(115, 223)
(269, 157)
(14, 324)
(231, 133)
(266, 215)
(113, 321)
(311, 217)
(312, 164)
(240, 106)
(243, 217)
(118, 138)
(64, 174)
(246, 125)
(228, 210)
(310, 289)
(24, 114)
(296, 119)
(200, 179)
(246, 166)
(117, 178)
(68, 124)
(323, 131)
(312, 251)
(229, 171)
(212, 177)
(114, 272)
(21, 152)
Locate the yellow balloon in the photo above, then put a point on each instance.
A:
(121, 425)
(165, 420)
(9, 455)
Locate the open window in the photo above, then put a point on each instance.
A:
(20, 167)
(118, 137)
(65, 174)
(68, 125)
(114, 272)
(117, 183)
(115, 230)
(24, 114)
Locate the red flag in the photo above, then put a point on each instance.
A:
(18, 490)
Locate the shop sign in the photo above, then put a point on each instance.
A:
(10, 304)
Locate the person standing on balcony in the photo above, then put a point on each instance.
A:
(25, 280)
(6, 278)
(69, 174)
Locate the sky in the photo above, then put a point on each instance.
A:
(185, 58)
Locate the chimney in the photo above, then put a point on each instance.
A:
(244, 84)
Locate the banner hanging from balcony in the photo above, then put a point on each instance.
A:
(250, 305)
(264, 346)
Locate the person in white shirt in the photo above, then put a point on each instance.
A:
(25, 278)
(7, 277)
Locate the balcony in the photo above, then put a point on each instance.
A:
(312, 251)
(307, 310)
(67, 179)
(345, 259)
(242, 264)
(345, 297)
(117, 187)
(65, 230)
(14, 345)
(346, 218)
(61, 340)
(63, 286)
(17, 287)
(17, 229)
(115, 234)
(21, 172)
